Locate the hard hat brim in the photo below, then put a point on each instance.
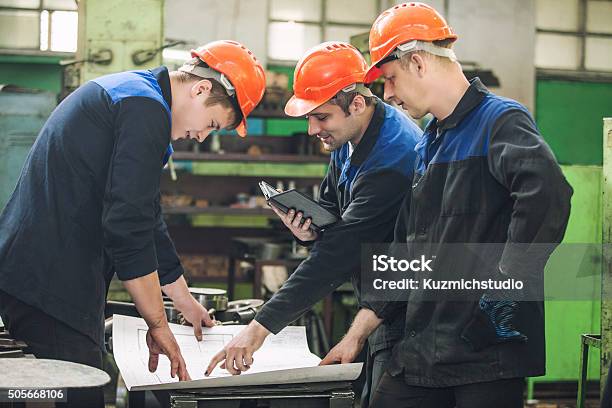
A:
(296, 107)
(241, 129)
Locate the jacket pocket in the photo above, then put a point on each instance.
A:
(492, 322)
(462, 188)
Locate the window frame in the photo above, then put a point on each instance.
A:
(323, 25)
(582, 33)
(38, 51)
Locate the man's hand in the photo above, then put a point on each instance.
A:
(349, 347)
(191, 309)
(344, 352)
(237, 356)
(146, 293)
(293, 221)
(196, 314)
(160, 340)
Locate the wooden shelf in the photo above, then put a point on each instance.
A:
(242, 165)
(224, 217)
(219, 211)
(241, 157)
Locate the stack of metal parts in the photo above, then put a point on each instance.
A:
(239, 311)
(219, 307)
(214, 300)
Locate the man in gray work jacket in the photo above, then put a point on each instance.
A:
(371, 165)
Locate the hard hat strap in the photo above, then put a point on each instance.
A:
(429, 47)
(209, 73)
(360, 88)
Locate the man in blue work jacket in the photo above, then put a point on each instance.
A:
(371, 166)
(484, 175)
(87, 206)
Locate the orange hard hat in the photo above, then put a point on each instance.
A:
(239, 65)
(401, 24)
(321, 73)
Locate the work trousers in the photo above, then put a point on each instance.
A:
(375, 368)
(49, 338)
(394, 392)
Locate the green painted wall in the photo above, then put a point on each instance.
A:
(569, 116)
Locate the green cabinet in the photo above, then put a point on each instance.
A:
(22, 115)
(566, 320)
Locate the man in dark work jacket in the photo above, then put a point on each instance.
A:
(371, 165)
(484, 176)
(87, 206)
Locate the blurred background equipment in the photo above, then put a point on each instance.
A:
(22, 114)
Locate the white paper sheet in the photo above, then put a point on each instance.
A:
(282, 359)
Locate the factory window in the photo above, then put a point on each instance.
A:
(38, 25)
(289, 40)
(574, 35)
(296, 25)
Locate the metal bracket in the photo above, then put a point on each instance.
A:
(184, 404)
(341, 399)
(102, 57)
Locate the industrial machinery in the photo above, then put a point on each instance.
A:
(601, 341)
(114, 36)
(24, 112)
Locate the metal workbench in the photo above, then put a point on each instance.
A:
(312, 395)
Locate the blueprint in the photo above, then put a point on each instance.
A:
(283, 358)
